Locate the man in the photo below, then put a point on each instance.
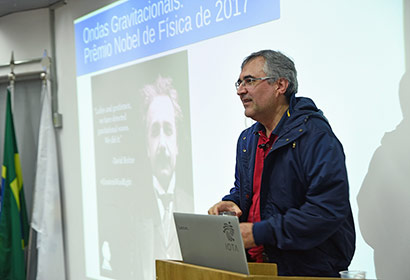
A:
(162, 113)
(291, 191)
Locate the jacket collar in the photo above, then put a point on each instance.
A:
(299, 109)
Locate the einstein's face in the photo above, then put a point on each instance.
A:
(162, 138)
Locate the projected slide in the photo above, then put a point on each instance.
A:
(159, 115)
(142, 161)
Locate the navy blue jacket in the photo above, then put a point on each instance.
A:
(306, 224)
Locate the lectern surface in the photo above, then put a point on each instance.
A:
(177, 270)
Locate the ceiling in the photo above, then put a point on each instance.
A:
(14, 6)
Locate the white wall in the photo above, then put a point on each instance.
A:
(27, 34)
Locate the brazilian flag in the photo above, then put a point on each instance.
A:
(13, 214)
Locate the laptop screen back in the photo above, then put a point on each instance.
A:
(211, 241)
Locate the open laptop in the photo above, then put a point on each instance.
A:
(211, 241)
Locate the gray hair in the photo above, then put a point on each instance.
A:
(277, 65)
(161, 87)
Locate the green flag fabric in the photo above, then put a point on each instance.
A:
(14, 225)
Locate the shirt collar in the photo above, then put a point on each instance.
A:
(161, 190)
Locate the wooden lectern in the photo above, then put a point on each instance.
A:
(178, 270)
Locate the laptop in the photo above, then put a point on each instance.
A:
(211, 241)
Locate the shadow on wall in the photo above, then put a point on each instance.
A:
(384, 198)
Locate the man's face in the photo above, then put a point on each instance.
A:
(162, 138)
(258, 99)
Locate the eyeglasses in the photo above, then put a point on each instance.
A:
(250, 82)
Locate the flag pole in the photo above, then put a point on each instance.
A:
(12, 77)
(46, 219)
(43, 77)
(28, 253)
(45, 63)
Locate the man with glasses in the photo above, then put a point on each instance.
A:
(291, 191)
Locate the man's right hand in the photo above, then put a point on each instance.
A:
(222, 206)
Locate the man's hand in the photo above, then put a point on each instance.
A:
(225, 206)
(247, 235)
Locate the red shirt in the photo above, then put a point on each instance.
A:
(263, 149)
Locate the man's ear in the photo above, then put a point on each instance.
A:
(281, 86)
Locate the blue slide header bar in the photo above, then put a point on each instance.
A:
(129, 30)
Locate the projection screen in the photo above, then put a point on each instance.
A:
(129, 49)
